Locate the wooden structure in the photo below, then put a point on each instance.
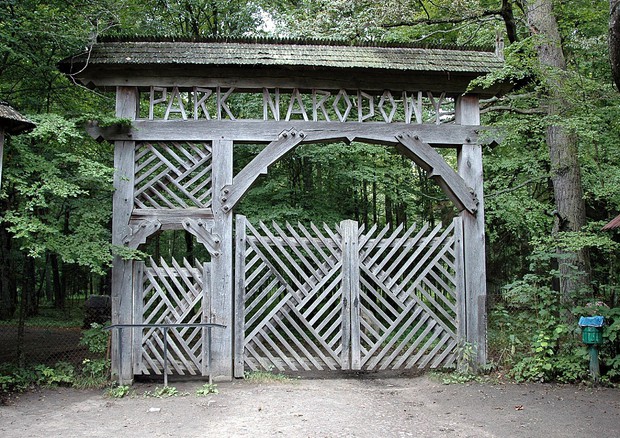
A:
(13, 123)
(613, 224)
(347, 298)
(187, 101)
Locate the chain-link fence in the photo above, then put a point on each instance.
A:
(52, 335)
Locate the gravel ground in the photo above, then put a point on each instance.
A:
(361, 407)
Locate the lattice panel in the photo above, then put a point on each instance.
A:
(292, 298)
(172, 294)
(173, 175)
(402, 306)
(408, 298)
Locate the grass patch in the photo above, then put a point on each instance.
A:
(265, 377)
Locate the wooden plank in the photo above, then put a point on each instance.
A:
(351, 290)
(469, 163)
(461, 309)
(396, 345)
(231, 194)
(454, 186)
(138, 290)
(266, 131)
(222, 264)
(127, 101)
(240, 286)
(368, 80)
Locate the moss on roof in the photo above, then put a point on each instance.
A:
(285, 53)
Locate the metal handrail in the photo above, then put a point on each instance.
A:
(164, 328)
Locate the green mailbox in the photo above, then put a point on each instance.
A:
(592, 336)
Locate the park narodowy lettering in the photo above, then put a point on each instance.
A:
(315, 105)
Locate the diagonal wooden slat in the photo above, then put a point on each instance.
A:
(173, 175)
(407, 296)
(172, 293)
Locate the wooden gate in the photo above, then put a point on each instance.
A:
(323, 299)
(172, 293)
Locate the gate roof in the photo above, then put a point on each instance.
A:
(139, 61)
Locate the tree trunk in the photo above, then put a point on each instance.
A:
(389, 219)
(59, 292)
(189, 247)
(563, 151)
(614, 39)
(8, 290)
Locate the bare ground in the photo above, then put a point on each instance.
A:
(362, 407)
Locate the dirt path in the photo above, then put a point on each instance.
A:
(418, 407)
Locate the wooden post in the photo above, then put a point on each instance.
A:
(470, 168)
(138, 315)
(127, 101)
(240, 245)
(350, 296)
(222, 263)
(461, 309)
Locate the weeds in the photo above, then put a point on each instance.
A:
(206, 389)
(165, 392)
(118, 391)
(265, 376)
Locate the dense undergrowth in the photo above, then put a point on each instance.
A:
(91, 373)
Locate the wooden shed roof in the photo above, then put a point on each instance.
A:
(274, 53)
(136, 55)
(12, 121)
(613, 224)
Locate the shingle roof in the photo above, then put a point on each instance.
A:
(613, 224)
(12, 121)
(329, 56)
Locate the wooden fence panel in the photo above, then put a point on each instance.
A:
(318, 299)
(172, 293)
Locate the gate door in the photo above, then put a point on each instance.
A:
(171, 294)
(319, 299)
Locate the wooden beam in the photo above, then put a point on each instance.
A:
(127, 99)
(203, 231)
(429, 159)
(470, 168)
(239, 315)
(231, 194)
(107, 76)
(261, 131)
(222, 265)
(351, 334)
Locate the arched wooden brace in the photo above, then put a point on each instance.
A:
(137, 234)
(231, 194)
(423, 154)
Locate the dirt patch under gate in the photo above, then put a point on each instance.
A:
(363, 407)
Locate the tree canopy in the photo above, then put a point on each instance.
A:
(550, 184)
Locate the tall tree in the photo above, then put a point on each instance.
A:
(614, 39)
(570, 213)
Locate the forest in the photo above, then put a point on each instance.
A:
(552, 180)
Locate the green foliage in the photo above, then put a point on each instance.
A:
(206, 389)
(95, 373)
(265, 377)
(119, 391)
(15, 379)
(96, 339)
(455, 377)
(61, 373)
(530, 337)
(165, 392)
